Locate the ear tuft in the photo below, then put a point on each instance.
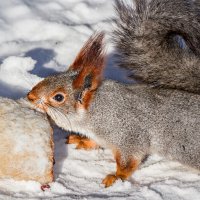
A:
(89, 66)
(90, 62)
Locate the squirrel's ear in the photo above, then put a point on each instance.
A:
(88, 67)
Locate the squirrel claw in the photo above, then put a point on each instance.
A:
(109, 180)
(45, 187)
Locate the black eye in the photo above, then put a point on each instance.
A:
(59, 97)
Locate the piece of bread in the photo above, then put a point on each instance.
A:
(26, 142)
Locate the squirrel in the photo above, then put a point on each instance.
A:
(133, 120)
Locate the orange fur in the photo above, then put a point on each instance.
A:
(73, 139)
(32, 96)
(87, 98)
(87, 144)
(124, 170)
(82, 142)
(91, 52)
(109, 180)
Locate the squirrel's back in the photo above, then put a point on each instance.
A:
(141, 120)
(159, 41)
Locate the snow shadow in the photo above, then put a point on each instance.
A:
(42, 56)
(60, 149)
(11, 91)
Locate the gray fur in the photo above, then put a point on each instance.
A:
(140, 120)
(146, 38)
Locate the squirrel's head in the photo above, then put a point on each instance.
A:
(71, 91)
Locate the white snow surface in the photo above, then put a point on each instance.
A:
(41, 37)
(26, 151)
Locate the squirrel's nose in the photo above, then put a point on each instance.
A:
(31, 96)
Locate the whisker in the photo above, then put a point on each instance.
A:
(57, 114)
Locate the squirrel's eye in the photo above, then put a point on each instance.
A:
(59, 97)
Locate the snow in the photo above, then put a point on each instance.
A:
(20, 67)
(42, 37)
(20, 127)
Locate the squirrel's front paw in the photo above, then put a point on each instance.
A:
(82, 142)
(73, 139)
(109, 180)
(87, 144)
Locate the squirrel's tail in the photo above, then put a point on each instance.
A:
(159, 41)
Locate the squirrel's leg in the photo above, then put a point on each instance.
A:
(82, 142)
(124, 170)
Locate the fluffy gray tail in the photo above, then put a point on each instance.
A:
(159, 41)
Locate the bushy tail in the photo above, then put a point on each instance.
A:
(159, 41)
